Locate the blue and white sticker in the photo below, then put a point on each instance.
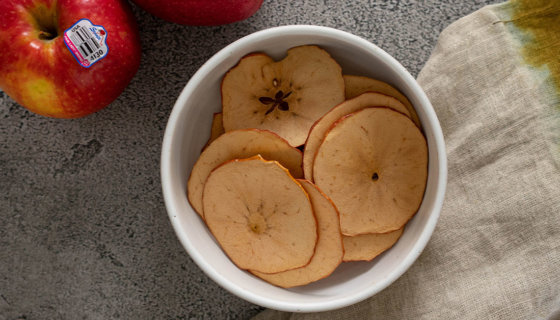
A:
(87, 42)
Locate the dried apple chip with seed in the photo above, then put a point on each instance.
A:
(240, 144)
(365, 247)
(356, 85)
(318, 130)
(329, 251)
(373, 164)
(260, 215)
(285, 97)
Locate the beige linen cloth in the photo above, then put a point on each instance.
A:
(495, 253)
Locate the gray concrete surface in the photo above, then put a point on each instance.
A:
(83, 229)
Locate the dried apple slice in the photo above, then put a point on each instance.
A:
(260, 215)
(317, 132)
(356, 85)
(217, 128)
(365, 247)
(328, 252)
(373, 165)
(285, 97)
(235, 145)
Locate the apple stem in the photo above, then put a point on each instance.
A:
(45, 35)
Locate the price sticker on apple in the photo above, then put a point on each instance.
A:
(87, 42)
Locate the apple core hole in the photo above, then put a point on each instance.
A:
(45, 22)
(48, 33)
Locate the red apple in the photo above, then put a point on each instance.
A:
(201, 12)
(41, 70)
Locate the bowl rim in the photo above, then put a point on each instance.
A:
(167, 174)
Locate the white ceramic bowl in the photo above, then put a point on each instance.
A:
(188, 130)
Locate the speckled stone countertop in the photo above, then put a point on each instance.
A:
(83, 229)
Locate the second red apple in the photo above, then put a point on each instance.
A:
(201, 12)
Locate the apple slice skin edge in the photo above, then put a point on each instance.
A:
(319, 129)
(309, 216)
(197, 178)
(341, 210)
(351, 255)
(327, 217)
(273, 84)
(216, 129)
(356, 85)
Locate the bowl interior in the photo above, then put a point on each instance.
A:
(188, 130)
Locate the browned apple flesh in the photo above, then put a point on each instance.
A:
(260, 215)
(365, 247)
(329, 250)
(356, 85)
(285, 97)
(318, 130)
(235, 145)
(217, 128)
(373, 165)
